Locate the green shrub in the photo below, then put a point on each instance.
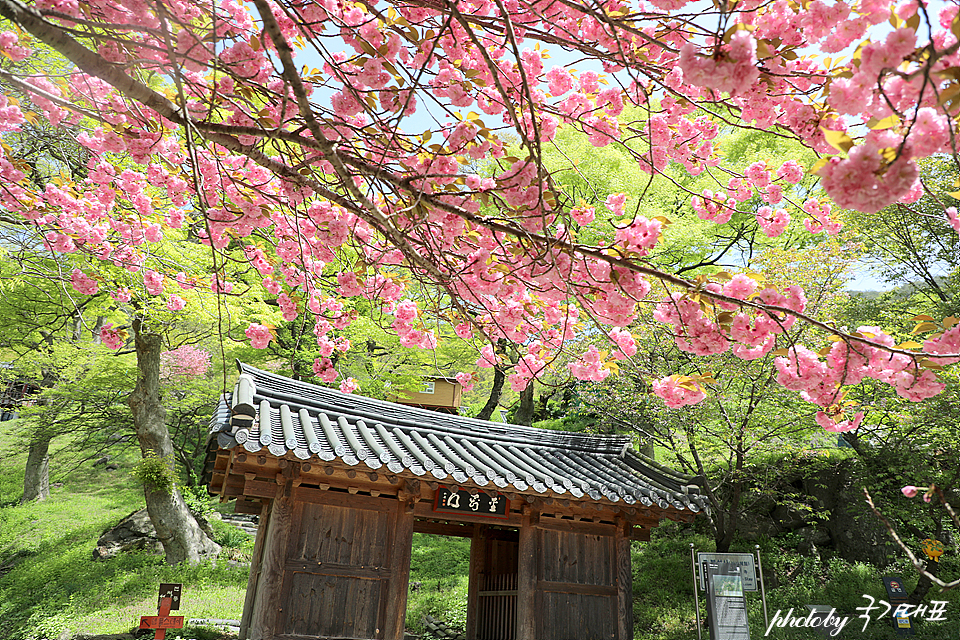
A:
(155, 473)
(448, 605)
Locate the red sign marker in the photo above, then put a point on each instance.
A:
(163, 621)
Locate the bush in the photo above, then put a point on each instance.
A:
(448, 605)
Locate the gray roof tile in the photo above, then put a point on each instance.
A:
(315, 422)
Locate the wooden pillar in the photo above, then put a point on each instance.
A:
(624, 581)
(400, 549)
(478, 558)
(527, 575)
(267, 607)
(255, 567)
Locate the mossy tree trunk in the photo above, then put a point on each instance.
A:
(177, 529)
(36, 479)
(524, 414)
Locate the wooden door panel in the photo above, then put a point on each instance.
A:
(577, 595)
(343, 536)
(574, 616)
(576, 558)
(337, 574)
(336, 606)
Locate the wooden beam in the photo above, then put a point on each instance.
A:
(400, 549)
(640, 534)
(425, 510)
(256, 558)
(443, 528)
(527, 577)
(477, 559)
(336, 569)
(571, 526)
(259, 488)
(248, 507)
(340, 499)
(265, 620)
(624, 582)
(573, 587)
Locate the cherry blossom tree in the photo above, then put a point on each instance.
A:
(337, 146)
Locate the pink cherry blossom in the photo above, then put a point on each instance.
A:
(772, 222)
(84, 283)
(349, 212)
(153, 282)
(186, 361)
(909, 491)
(260, 335)
(864, 181)
(111, 337)
(677, 392)
(323, 369)
(466, 380)
(734, 71)
(487, 357)
(839, 426)
(349, 385)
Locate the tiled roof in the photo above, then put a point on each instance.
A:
(285, 416)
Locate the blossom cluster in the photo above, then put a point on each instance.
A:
(186, 361)
(350, 206)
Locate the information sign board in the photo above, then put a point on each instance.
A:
(172, 591)
(726, 604)
(897, 594)
(746, 561)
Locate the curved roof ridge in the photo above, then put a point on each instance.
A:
(403, 416)
(285, 416)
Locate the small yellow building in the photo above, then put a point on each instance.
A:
(437, 393)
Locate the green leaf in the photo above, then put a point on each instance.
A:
(887, 123)
(910, 344)
(839, 140)
(923, 327)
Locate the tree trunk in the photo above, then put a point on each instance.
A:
(924, 583)
(177, 529)
(724, 535)
(524, 413)
(36, 479)
(495, 393)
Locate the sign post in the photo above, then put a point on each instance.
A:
(763, 592)
(696, 594)
(169, 600)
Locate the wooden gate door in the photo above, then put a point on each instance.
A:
(343, 568)
(577, 591)
(493, 574)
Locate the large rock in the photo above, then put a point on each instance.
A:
(855, 532)
(133, 533)
(137, 533)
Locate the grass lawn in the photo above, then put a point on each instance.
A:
(57, 586)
